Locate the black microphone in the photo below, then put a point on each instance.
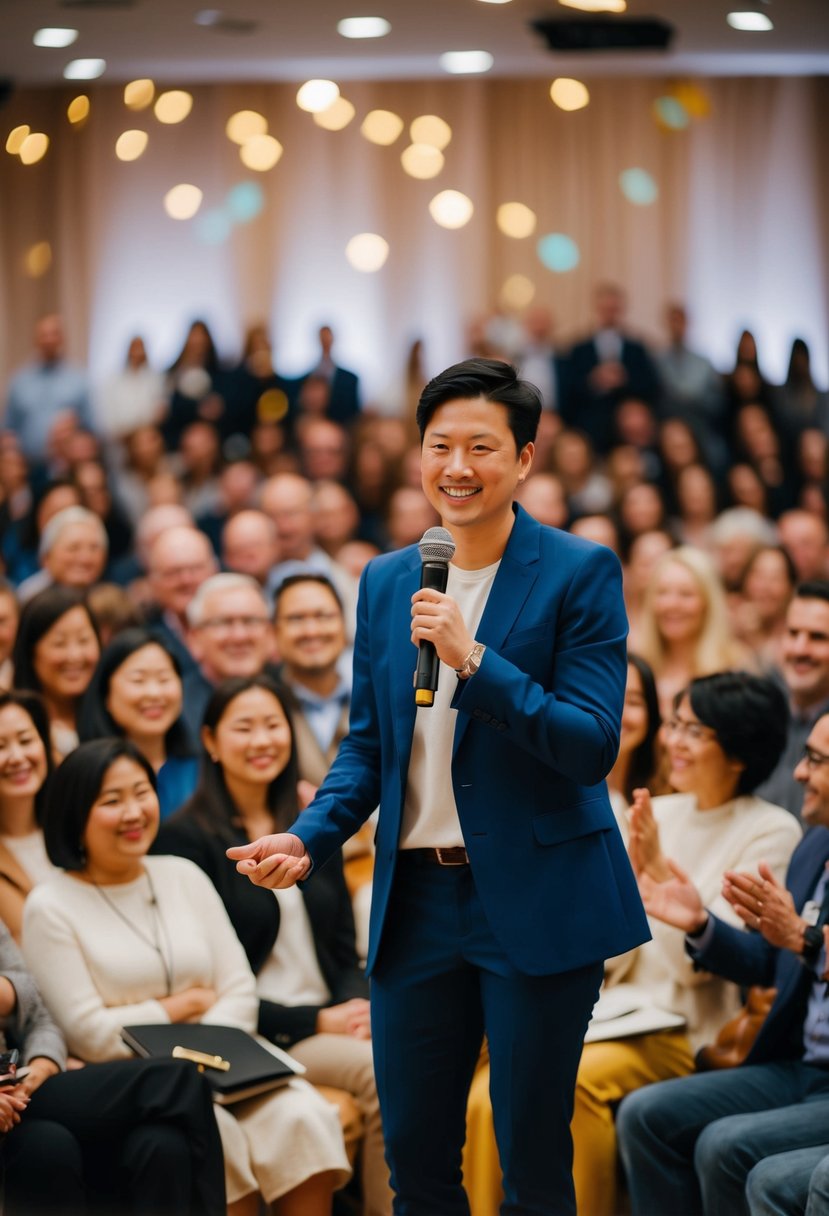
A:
(436, 550)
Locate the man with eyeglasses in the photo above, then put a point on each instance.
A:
(805, 675)
(230, 634)
(748, 1138)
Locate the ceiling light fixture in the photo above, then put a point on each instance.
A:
(754, 22)
(363, 27)
(596, 6)
(466, 63)
(53, 36)
(84, 69)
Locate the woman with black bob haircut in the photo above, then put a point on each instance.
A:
(55, 652)
(136, 692)
(121, 938)
(300, 943)
(501, 385)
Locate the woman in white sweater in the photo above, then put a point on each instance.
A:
(120, 938)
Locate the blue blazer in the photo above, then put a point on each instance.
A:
(747, 958)
(537, 731)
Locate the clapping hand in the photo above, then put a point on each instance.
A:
(762, 903)
(644, 848)
(674, 900)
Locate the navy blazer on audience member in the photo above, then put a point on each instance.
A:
(747, 958)
(254, 913)
(592, 412)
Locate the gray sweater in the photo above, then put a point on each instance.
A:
(29, 1027)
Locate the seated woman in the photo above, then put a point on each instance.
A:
(300, 943)
(723, 739)
(639, 753)
(121, 938)
(136, 692)
(25, 765)
(133, 1136)
(55, 653)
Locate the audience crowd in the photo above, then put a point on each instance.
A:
(181, 552)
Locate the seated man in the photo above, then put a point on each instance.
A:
(688, 1145)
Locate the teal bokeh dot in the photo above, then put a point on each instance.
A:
(638, 187)
(558, 252)
(672, 112)
(245, 201)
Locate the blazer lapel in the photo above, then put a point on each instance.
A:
(402, 663)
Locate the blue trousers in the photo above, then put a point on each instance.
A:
(794, 1183)
(440, 983)
(688, 1145)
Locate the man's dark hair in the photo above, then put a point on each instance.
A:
(750, 717)
(494, 381)
(71, 794)
(295, 580)
(817, 589)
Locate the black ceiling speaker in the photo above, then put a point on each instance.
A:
(6, 90)
(604, 33)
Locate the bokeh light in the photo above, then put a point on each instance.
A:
(558, 252)
(337, 116)
(596, 6)
(183, 201)
(34, 148)
(429, 129)
(751, 21)
(517, 292)
(214, 227)
(367, 252)
(173, 107)
(84, 69)
(363, 27)
(15, 139)
(381, 127)
(78, 110)
(245, 201)
(272, 406)
(55, 37)
(317, 95)
(693, 99)
(131, 144)
(670, 113)
(38, 259)
(244, 124)
(638, 187)
(569, 94)
(516, 220)
(466, 63)
(139, 94)
(421, 161)
(260, 153)
(451, 209)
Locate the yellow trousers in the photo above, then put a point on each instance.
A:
(607, 1072)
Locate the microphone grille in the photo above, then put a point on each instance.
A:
(436, 545)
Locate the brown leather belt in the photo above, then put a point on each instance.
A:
(454, 856)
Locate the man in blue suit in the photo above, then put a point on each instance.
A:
(501, 882)
(691, 1145)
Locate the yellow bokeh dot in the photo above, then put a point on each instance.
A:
(337, 116)
(367, 252)
(517, 292)
(15, 140)
(173, 107)
(131, 144)
(183, 201)
(272, 406)
(34, 148)
(260, 152)
(516, 220)
(316, 95)
(569, 94)
(451, 209)
(381, 127)
(244, 124)
(422, 161)
(429, 129)
(693, 99)
(139, 94)
(78, 110)
(38, 259)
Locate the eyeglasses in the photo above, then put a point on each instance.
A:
(223, 624)
(812, 758)
(696, 731)
(295, 620)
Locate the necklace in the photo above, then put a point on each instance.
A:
(153, 942)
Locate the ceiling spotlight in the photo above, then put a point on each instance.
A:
(466, 63)
(363, 27)
(54, 37)
(84, 69)
(749, 21)
(596, 6)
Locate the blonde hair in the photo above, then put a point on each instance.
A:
(715, 648)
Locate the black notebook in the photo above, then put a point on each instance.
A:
(254, 1068)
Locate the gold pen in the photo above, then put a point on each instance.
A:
(201, 1058)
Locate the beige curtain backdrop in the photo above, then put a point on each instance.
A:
(740, 229)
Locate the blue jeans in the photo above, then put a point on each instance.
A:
(791, 1184)
(688, 1145)
(441, 982)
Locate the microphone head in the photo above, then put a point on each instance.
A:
(436, 545)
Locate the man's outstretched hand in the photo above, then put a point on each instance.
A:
(272, 861)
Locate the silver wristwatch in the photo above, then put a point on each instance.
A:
(471, 663)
